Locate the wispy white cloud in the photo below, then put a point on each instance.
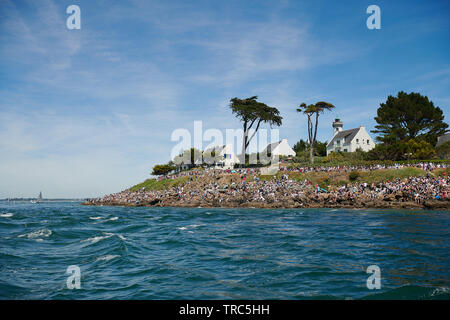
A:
(90, 111)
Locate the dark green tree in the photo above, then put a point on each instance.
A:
(300, 146)
(252, 113)
(313, 110)
(320, 148)
(408, 116)
(162, 169)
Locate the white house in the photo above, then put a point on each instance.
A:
(349, 140)
(280, 148)
(224, 157)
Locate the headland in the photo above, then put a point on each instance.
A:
(414, 186)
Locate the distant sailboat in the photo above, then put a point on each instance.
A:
(38, 200)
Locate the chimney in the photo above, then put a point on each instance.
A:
(337, 126)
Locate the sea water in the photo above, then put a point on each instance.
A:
(215, 253)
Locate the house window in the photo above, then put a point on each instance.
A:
(368, 142)
(338, 142)
(357, 140)
(345, 150)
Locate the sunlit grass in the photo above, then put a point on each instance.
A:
(153, 184)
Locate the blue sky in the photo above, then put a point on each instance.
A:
(89, 112)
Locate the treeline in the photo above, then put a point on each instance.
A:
(408, 127)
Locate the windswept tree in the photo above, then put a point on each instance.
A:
(252, 113)
(409, 116)
(162, 169)
(313, 111)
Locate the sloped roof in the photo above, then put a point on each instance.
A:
(270, 147)
(443, 139)
(348, 135)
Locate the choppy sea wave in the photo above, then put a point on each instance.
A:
(6, 215)
(206, 253)
(38, 234)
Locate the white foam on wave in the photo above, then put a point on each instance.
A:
(41, 233)
(108, 257)
(99, 238)
(6, 215)
(439, 291)
(105, 236)
(100, 218)
(191, 226)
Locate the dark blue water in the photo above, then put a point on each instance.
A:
(172, 253)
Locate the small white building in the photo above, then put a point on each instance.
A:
(280, 148)
(223, 157)
(349, 140)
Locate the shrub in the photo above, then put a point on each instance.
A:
(420, 149)
(400, 150)
(353, 175)
(334, 157)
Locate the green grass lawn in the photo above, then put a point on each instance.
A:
(390, 174)
(439, 172)
(152, 184)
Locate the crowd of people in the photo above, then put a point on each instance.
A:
(246, 186)
(427, 166)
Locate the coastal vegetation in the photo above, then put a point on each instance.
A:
(302, 148)
(252, 113)
(409, 116)
(407, 126)
(313, 110)
(154, 184)
(162, 169)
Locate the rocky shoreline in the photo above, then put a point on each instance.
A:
(387, 203)
(211, 190)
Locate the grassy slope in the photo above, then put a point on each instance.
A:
(324, 179)
(152, 184)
